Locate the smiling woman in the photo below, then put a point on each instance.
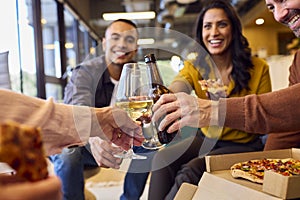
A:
(219, 31)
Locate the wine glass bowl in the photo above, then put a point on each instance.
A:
(133, 97)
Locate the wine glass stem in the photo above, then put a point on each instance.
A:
(131, 144)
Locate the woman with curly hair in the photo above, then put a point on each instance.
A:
(219, 31)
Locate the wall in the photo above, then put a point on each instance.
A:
(264, 37)
(81, 9)
(81, 6)
(259, 37)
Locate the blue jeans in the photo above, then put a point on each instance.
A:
(70, 164)
(136, 177)
(69, 167)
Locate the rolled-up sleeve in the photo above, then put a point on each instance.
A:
(61, 125)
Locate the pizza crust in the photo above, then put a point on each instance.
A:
(253, 170)
(21, 148)
(213, 86)
(236, 173)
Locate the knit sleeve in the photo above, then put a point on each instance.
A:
(271, 112)
(62, 125)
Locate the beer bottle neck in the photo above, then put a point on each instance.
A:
(155, 75)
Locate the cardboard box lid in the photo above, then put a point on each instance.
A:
(186, 192)
(274, 183)
(281, 186)
(215, 187)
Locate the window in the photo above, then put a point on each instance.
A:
(17, 38)
(51, 49)
(42, 38)
(71, 39)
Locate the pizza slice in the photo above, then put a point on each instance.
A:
(214, 87)
(253, 170)
(21, 147)
(249, 170)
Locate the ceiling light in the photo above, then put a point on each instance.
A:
(69, 45)
(43, 21)
(129, 15)
(259, 21)
(186, 1)
(49, 46)
(145, 41)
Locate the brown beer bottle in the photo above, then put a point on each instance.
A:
(158, 89)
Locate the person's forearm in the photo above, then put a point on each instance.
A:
(60, 124)
(46, 189)
(272, 112)
(180, 86)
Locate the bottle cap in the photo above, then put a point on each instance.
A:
(149, 58)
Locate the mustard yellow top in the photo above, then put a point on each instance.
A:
(259, 83)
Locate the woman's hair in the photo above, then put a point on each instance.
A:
(241, 52)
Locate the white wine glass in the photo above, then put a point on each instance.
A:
(133, 97)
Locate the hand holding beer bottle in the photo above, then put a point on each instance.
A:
(157, 90)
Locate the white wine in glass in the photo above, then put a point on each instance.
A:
(133, 97)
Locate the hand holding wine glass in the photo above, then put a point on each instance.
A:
(132, 96)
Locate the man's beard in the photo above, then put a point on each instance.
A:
(294, 13)
(119, 62)
(297, 32)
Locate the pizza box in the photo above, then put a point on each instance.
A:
(217, 187)
(219, 181)
(186, 191)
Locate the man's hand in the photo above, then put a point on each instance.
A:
(103, 152)
(182, 109)
(118, 127)
(47, 189)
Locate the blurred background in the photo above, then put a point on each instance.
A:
(46, 38)
(42, 40)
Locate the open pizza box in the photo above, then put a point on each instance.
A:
(218, 184)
